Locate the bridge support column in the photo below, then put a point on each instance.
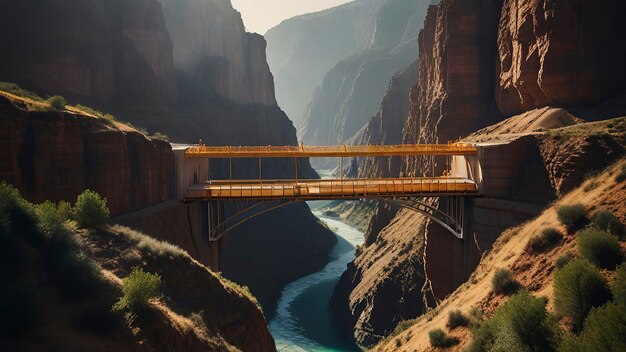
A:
(214, 216)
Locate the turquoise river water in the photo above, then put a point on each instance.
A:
(302, 322)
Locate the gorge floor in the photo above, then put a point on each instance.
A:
(302, 322)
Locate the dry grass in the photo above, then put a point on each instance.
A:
(145, 242)
(509, 252)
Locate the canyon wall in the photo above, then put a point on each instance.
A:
(118, 56)
(212, 46)
(294, 47)
(479, 63)
(56, 156)
(95, 51)
(351, 92)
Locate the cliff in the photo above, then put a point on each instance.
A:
(54, 156)
(96, 51)
(462, 49)
(211, 45)
(294, 47)
(351, 92)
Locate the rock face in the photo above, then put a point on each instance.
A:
(95, 51)
(351, 92)
(559, 53)
(480, 62)
(212, 46)
(55, 156)
(294, 47)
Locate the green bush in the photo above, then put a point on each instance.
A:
(57, 103)
(521, 324)
(618, 286)
(548, 237)
(438, 338)
(17, 90)
(51, 220)
(578, 287)
(160, 137)
(563, 259)
(572, 216)
(605, 220)
(504, 283)
(91, 210)
(456, 318)
(604, 331)
(139, 287)
(600, 248)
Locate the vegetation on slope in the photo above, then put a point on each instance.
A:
(58, 286)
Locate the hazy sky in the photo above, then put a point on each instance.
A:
(261, 15)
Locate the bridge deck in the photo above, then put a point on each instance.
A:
(330, 189)
(328, 151)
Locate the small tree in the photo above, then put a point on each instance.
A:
(605, 220)
(456, 318)
(91, 210)
(604, 330)
(578, 287)
(572, 216)
(600, 248)
(618, 286)
(57, 103)
(438, 338)
(504, 283)
(139, 288)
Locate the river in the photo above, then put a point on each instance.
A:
(302, 322)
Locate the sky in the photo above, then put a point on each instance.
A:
(261, 15)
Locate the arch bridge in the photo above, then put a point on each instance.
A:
(254, 197)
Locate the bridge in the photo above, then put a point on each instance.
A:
(254, 197)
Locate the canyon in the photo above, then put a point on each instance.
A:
(475, 69)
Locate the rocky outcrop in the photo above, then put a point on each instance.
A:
(294, 47)
(56, 156)
(211, 45)
(97, 51)
(562, 53)
(352, 91)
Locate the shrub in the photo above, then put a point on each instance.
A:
(546, 239)
(600, 248)
(605, 220)
(572, 216)
(618, 286)
(456, 318)
(604, 330)
(578, 287)
(160, 137)
(504, 283)
(51, 220)
(139, 287)
(17, 90)
(18, 216)
(438, 338)
(621, 174)
(91, 210)
(521, 324)
(57, 103)
(563, 259)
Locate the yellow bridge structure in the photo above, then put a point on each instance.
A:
(258, 196)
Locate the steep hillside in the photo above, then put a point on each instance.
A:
(294, 47)
(351, 92)
(61, 284)
(535, 271)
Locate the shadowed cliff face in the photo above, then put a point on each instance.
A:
(480, 62)
(351, 92)
(55, 156)
(95, 51)
(211, 44)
